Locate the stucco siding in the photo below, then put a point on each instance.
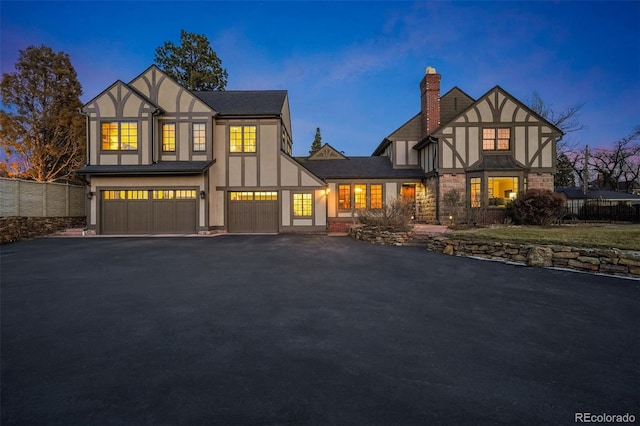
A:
(401, 153)
(286, 208)
(519, 145)
(235, 171)
(485, 112)
(269, 150)
(320, 207)
(108, 159)
(219, 153)
(288, 172)
(250, 171)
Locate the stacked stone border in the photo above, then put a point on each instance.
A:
(605, 261)
(17, 228)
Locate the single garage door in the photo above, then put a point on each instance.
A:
(253, 212)
(149, 211)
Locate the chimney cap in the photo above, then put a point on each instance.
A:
(430, 70)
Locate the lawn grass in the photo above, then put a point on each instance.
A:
(625, 237)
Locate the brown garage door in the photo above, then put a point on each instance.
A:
(253, 212)
(149, 211)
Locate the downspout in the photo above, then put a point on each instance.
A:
(153, 141)
(435, 170)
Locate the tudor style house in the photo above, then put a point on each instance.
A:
(163, 159)
(488, 150)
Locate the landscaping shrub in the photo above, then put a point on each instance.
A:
(394, 216)
(536, 207)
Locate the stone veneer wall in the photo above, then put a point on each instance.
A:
(540, 181)
(426, 202)
(447, 182)
(608, 261)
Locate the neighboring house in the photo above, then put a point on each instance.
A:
(488, 150)
(163, 159)
(577, 196)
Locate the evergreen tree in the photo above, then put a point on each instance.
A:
(193, 64)
(41, 131)
(317, 143)
(564, 177)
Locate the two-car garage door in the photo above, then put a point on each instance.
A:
(149, 211)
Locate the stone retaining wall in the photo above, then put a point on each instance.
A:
(608, 261)
(374, 234)
(16, 228)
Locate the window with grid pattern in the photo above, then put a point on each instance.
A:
(476, 192)
(119, 136)
(496, 139)
(302, 205)
(344, 197)
(360, 191)
(242, 139)
(376, 197)
(199, 137)
(169, 137)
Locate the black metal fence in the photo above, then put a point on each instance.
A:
(602, 211)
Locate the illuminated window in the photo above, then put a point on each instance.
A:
(302, 205)
(242, 139)
(165, 194)
(119, 136)
(199, 137)
(185, 194)
(360, 196)
(376, 196)
(476, 192)
(137, 195)
(496, 139)
(344, 197)
(168, 137)
(266, 196)
(501, 189)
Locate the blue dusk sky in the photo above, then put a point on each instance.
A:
(353, 68)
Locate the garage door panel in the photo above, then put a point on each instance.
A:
(185, 216)
(164, 216)
(138, 217)
(266, 216)
(114, 217)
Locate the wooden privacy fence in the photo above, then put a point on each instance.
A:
(41, 199)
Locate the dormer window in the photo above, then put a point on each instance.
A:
(496, 139)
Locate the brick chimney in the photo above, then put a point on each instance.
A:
(430, 101)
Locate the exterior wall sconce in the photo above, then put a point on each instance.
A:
(203, 195)
(90, 194)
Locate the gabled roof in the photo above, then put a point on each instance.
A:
(327, 152)
(452, 103)
(597, 194)
(429, 138)
(245, 102)
(411, 130)
(160, 168)
(359, 168)
(127, 87)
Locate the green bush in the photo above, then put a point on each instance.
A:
(536, 207)
(394, 216)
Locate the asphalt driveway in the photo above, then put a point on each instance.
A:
(305, 330)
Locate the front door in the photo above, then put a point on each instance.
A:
(408, 193)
